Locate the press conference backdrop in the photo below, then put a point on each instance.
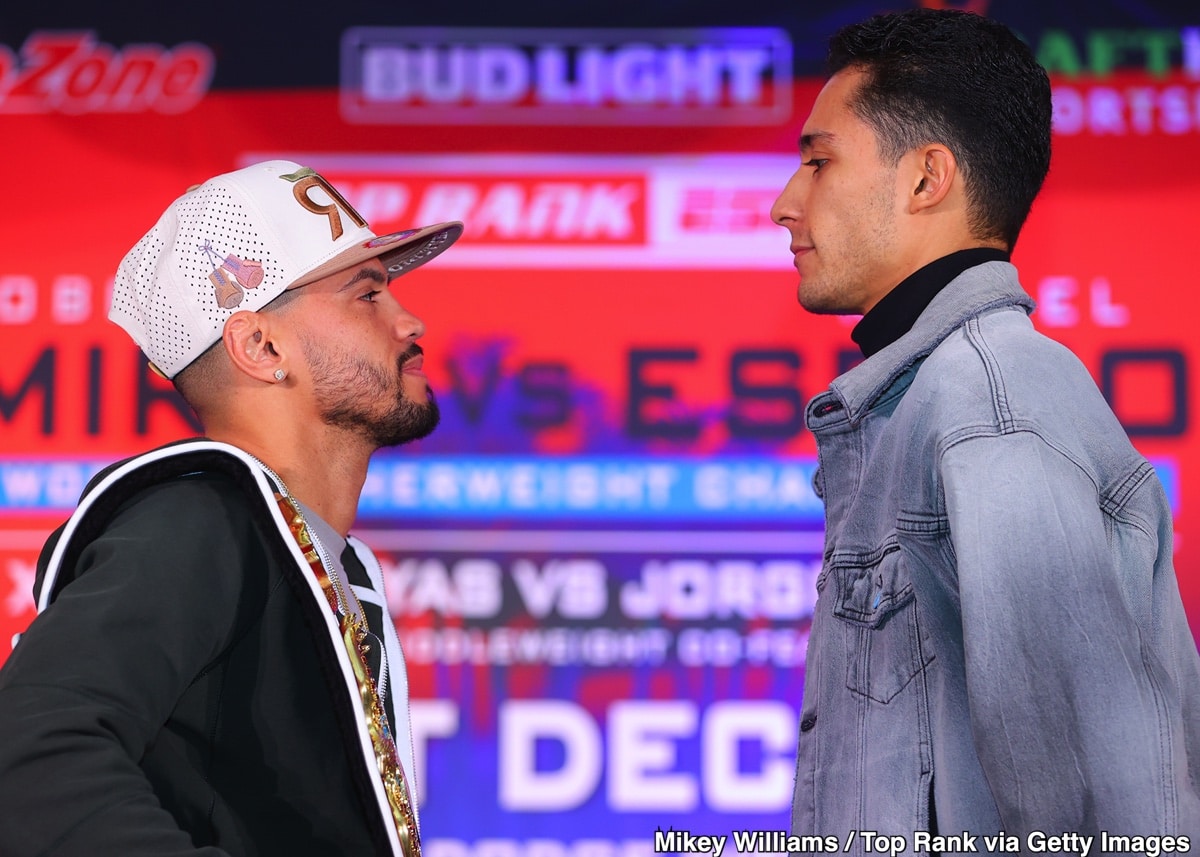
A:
(603, 562)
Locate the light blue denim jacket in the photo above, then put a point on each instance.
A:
(998, 642)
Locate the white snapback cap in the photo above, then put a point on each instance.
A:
(237, 242)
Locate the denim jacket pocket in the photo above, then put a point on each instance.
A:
(876, 606)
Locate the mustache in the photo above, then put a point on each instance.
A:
(413, 351)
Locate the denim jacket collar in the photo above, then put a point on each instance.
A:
(985, 287)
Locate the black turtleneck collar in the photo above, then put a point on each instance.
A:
(897, 311)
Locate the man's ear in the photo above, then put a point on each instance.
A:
(252, 350)
(932, 169)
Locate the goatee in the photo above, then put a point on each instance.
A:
(350, 389)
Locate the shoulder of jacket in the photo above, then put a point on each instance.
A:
(200, 485)
(1002, 337)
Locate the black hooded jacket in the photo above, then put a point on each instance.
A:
(181, 693)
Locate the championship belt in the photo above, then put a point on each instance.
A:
(354, 635)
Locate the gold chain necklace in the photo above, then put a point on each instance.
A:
(354, 634)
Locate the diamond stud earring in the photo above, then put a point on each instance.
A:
(280, 374)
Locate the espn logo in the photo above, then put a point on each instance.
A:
(447, 76)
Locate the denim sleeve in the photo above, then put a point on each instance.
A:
(1069, 705)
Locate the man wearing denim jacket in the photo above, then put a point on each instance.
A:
(999, 643)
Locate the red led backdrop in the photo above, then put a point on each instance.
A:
(610, 543)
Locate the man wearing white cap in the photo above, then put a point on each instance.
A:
(213, 669)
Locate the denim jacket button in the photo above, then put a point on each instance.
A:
(808, 723)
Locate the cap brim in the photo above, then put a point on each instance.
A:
(400, 252)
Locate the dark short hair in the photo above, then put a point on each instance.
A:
(204, 374)
(953, 77)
